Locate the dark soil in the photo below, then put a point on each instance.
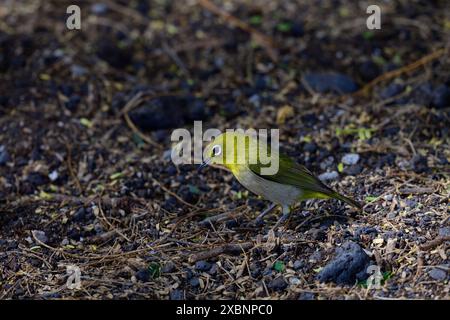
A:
(86, 178)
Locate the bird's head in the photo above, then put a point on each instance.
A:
(233, 149)
(229, 149)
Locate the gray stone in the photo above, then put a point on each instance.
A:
(349, 265)
(328, 176)
(437, 274)
(176, 294)
(278, 284)
(298, 264)
(202, 265)
(350, 159)
(40, 235)
(169, 267)
(4, 156)
(330, 82)
(444, 232)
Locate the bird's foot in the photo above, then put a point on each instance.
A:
(259, 219)
(282, 220)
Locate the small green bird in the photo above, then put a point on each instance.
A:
(290, 184)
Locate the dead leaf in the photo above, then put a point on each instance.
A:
(284, 113)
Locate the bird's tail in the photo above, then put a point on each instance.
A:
(346, 200)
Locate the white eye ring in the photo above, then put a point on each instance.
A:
(217, 150)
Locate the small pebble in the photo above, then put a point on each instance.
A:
(195, 282)
(169, 267)
(202, 265)
(353, 170)
(78, 71)
(213, 269)
(315, 257)
(310, 147)
(167, 155)
(267, 272)
(188, 274)
(278, 284)
(306, 296)
(327, 163)
(328, 176)
(350, 159)
(298, 264)
(330, 82)
(53, 176)
(410, 203)
(392, 90)
(79, 215)
(444, 232)
(437, 274)
(99, 8)
(4, 156)
(40, 235)
(176, 295)
(441, 97)
(143, 275)
(419, 164)
(255, 100)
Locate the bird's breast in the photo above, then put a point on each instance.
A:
(282, 194)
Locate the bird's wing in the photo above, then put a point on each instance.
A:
(294, 174)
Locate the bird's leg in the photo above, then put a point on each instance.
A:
(260, 217)
(284, 217)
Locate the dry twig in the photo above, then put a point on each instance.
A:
(434, 243)
(230, 248)
(398, 72)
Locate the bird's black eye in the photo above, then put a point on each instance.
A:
(216, 150)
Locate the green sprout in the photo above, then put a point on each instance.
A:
(279, 266)
(155, 270)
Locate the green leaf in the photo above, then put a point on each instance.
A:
(279, 266)
(116, 175)
(155, 270)
(397, 59)
(307, 139)
(193, 189)
(45, 196)
(344, 12)
(44, 77)
(371, 199)
(386, 276)
(86, 122)
(379, 60)
(284, 26)
(171, 29)
(340, 167)
(255, 20)
(367, 35)
(361, 135)
(138, 140)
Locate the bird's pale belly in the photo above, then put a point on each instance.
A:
(276, 192)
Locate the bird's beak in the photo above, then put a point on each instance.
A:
(204, 164)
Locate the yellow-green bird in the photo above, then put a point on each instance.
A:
(241, 153)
